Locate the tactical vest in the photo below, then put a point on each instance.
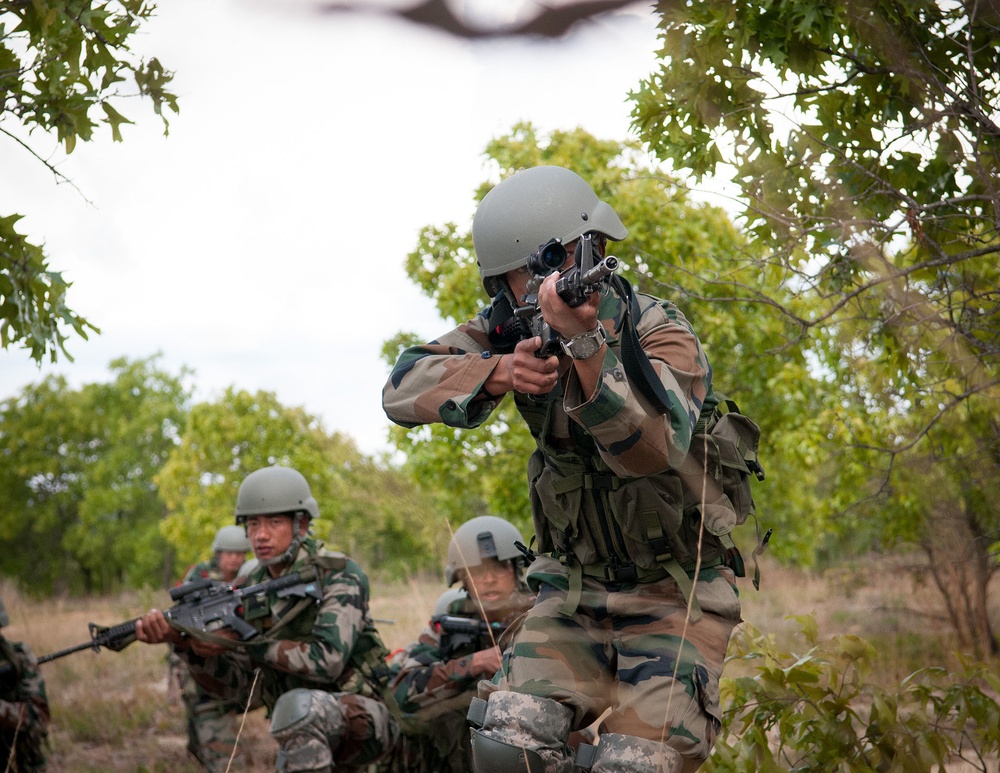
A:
(364, 673)
(613, 528)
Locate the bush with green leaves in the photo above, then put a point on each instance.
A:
(820, 710)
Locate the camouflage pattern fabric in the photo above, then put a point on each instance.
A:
(316, 649)
(24, 710)
(610, 626)
(212, 725)
(434, 682)
(632, 649)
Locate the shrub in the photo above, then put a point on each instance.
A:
(818, 711)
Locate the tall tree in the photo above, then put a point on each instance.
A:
(365, 510)
(65, 68)
(676, 247)
(864, 137)
(80, 510)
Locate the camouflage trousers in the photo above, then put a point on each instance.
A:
(631, 649)
(433, 740)
(212, 724)
(322, 731)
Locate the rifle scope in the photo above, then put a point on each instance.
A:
(547, 258)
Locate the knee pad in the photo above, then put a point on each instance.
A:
(291, 707)
(617, 753)
(517, 730)
(492, 756)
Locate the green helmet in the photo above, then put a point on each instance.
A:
(274, 491)
(447, 599)
(4, 620)
(486, 536)
(530, 208)
(277, 491)
(232, 539)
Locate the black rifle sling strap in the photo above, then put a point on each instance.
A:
(637, 365)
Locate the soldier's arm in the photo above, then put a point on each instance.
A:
(31, 712)
(632, 437)
(442, 381)
(426, 679)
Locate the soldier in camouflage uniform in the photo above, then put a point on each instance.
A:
(318, 662)
(636, 595)
(24, 707)
(437, 676)
(212, 725)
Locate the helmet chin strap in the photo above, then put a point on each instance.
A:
(288, 555)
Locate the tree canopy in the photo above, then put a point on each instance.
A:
(80, 511)
(864, 140)
(123, 484)
(66, 68)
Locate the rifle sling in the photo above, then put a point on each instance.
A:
(635, 361)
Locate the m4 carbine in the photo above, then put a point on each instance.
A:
(459, 632)
(202, 608)
(574, 286)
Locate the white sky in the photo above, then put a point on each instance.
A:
(262, 242)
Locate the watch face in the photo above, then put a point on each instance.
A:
(583, 346)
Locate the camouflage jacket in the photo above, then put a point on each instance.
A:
(24, 708)
(604, 480)
(324, 645)
(432, 671)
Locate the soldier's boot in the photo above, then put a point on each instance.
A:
(517, 732)
(616, 753)
(308, 732)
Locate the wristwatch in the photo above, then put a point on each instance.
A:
(585, 345)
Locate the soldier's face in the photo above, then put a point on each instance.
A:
(491, 582)
(269, 535)
(230, 563)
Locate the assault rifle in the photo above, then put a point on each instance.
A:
(574, 286)
(202, 607)
(460, 632)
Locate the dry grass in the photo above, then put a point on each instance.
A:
(111, 711)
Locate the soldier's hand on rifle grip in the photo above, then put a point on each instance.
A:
(486, 663)
(530, 374)
(566, 320)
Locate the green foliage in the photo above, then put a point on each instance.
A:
(364, 510)
(865, 142)
(864, 139)
(64, 65)
(818, 710)
(33, 299)
(80, 511)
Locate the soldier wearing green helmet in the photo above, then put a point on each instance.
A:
(317, 663)
(634, 577)
(212, 724)
(436, 677)
(24, 706)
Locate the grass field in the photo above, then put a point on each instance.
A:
(112, 711)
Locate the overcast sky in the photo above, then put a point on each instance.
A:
(262, 242)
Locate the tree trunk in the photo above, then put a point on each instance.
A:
(960, 565)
